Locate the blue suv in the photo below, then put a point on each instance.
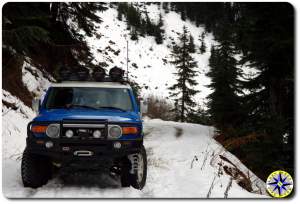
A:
(84, 125)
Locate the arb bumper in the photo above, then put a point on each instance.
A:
(64, 150)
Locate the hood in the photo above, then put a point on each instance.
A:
(110, 115)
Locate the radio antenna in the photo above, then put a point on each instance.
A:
(127, 59)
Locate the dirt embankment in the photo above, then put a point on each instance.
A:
(12, 79)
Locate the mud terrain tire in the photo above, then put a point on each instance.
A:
(35, 170)
(139, 181)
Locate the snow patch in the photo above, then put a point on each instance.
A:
(14, 128)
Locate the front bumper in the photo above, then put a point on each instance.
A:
(100, 151)
(64, 150)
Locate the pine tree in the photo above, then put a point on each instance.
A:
(84, 14)
(268, 103)
(160, 22)
(133, 34)
(42, 30)
(202, 46)
(165, 6)
(158, 36)
(224, 103)
(180, 8)
(120, 11)
(159, 31)
(191, 44)
(199, 115)
(183, 90)
(133, 16)
(149, 25)
(143, 28)
(268, 46)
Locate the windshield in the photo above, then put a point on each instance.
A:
(89, 97)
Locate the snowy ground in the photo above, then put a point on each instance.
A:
(183, 162)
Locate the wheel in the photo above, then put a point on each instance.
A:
(35, 170)
(138, 172)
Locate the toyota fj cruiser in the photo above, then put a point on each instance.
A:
(84, 125)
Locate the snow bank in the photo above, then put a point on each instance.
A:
(15, 117)
(189, 163)
(14, 124)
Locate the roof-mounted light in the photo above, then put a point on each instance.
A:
(116, 74)
(83, 74)
(77, 74)
(99, 74)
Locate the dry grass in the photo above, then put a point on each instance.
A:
(233, 143)
(242, 179)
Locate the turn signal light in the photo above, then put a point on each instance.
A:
(39, 128)
(129, 130)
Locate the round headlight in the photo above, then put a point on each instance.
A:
(53, 130)
(97, 134)
(115, 132)
(69, 133)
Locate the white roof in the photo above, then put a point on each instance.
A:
(91, 84)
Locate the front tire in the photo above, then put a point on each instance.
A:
(35, 170)
(137, 174)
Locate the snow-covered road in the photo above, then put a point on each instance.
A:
(183, 162)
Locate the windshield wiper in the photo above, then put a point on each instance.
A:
(111, 107)
(81, 106)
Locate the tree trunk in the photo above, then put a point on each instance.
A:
(182, 104)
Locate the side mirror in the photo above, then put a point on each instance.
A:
(36, 105)
(144, 106)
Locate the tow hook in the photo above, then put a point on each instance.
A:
(83, 153)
